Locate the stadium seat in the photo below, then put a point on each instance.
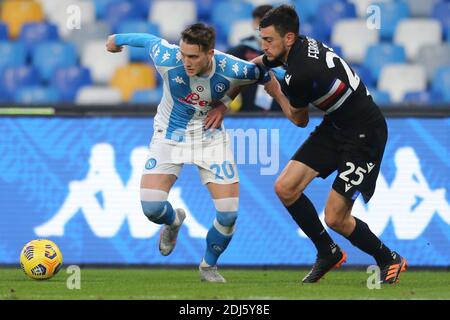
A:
(12, 78)
(98, 95)
(423, 98)
(139, 26)
(398, 79)
(150, 97)
(307, 10)
(204, 9)
(381, 98)
(97, 31)
(378, 55)
(353, 47)
(12, 54)
(361, 7)
(101, 7)
(16, 13)
(64, 13)
(136, 76)
(433, 57)
(101, 62)
(412, 34)
(235, 10)
(52, 54)
(421, 8)
(116, 12)
(239, 30)
(391, 13)
(36, 32)
(5, 96)
(68, 80)
(331, 12)
(364, 74)
(309, 30)
(441, 83)
(36, 95)
(3, 31)
(441, 12)
(172, 16)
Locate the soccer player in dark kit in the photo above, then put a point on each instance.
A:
(350, 139)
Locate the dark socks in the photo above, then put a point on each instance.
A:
(305, 215)
(365, 240)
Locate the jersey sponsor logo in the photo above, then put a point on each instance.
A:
(287, 78)
(220, 87)
(193, 99)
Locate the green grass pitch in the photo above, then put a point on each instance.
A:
(181, 284)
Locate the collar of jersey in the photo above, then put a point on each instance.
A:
(213, 71)
(297, 44)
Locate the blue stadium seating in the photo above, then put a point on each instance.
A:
(142, 6)
(12, 54)
(364, 74)
(147, 96)
(441, 12)
(36, 95)
(12, 78)
(52, 54)
(441, 83)
(68, 80)
(235, 10)
(329, 13)
(391, 13)
(138, 54)
(37, 32)
(101, 6)
(308, 29)
(380, 97)
(3, 31)
(116, 12)
(381, 54)
(204, 9)
(423, 98)
(308, 9)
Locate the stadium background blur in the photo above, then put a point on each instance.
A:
(47, 61)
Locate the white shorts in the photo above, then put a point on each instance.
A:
(215, 160)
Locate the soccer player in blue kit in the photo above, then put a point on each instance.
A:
(196, 78)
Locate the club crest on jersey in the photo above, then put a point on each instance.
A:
(220, 87)
(200, 88)
(151, 163)
(193, 99)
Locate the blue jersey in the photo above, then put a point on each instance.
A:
(187, 100)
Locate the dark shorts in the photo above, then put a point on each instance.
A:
(355, 153)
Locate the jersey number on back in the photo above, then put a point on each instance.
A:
(353, 79)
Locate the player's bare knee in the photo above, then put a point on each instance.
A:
(286, 193)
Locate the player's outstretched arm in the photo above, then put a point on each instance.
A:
(116, 42)
(299, 116)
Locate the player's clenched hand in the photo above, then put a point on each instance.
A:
(215, 117)
(111, 45)
(272, 87)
